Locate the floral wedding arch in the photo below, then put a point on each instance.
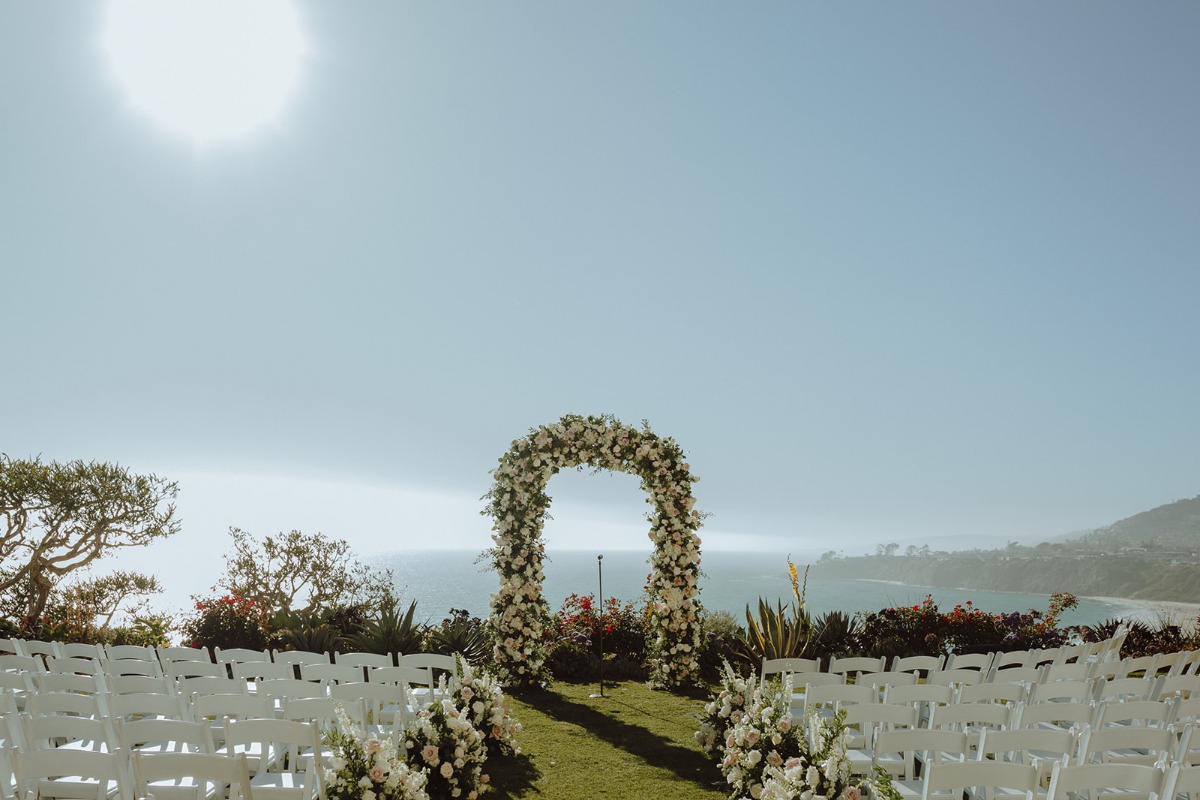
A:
(517, 503)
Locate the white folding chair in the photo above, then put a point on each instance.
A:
(853, 665)
(1095, 781)
(161, 735)
(273, 749)
(356, 659)
(190, 776)
(1039, 748)
(979, 780)
(333, 673)
(896, 752)
(1063, 716)
(1126, 744)
(76, 774)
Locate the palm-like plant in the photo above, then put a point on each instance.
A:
(780, 632)
(389, 631)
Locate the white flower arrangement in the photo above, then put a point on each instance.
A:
(764, 756)
(442, 741)
(517, 503)
(369, 768)
(482, 699)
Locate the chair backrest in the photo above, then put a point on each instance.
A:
(1126, 744)
(83, 650)
(364, 659)
(922, 696)
(836, 696)
(437, 661)
(1154, 713)
(1067, 716)
(84, 733)
(978, 779)
(132, 666)
(136, 652)
(334, 673)
(190, 688)
(923, 664)
(981, 662)
(905, 744)
(159, 735)
(36, 647)
(140, 684)
(146, 704)
(956, 677)
(886, 678)
(280, 688)
(1038, 747)
(1070, 671)
(855, 664)
(68, 773)
(69, 682)
(21, 663)
(236, 706)
(262, 669)
(403, 675)
(279, 740)
(68, 703)
(776, 666)
(1146, 688)
(1018, 675)
(1077, 653)
(383, 701)
(300, 657)
(170, 654)
(13, 646)
(993, 693)
(1064, 691)
(1132, 781)
(235, 654)
(195, 669)
(866, 720)
(1014, 658)
(72, 665)
(207, 774)
(1143, 665)
(970, 716)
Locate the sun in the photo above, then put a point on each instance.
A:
(210, 70)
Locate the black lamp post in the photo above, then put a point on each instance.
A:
(600, 626)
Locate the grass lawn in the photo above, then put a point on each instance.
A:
(636, 744)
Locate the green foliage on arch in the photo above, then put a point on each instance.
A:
(517, 503)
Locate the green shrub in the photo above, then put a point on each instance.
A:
(388, 631)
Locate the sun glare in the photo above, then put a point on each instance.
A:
(207, 69)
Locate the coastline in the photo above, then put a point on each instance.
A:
(1155, 612)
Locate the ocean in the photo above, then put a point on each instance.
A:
(440, 580)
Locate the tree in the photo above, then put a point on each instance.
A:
(59, 518)
(299, 567)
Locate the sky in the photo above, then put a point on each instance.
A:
(887, 272)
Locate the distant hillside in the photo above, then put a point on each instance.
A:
(1175, 525)
(1154, 555)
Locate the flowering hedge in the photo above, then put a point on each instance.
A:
(517, 503)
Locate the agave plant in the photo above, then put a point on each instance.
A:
(298, 630)
(389, 631)
(463, 634)
(834, 633)
(780, 632)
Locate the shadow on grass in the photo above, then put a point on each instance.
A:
(511, 776)
(658, 751)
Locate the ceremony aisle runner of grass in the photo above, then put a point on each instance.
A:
(636, 744)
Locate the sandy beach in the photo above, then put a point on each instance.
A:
(1156, 611)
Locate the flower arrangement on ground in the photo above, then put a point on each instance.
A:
(725, 710)
(517, 503)
(482, 700)
(766, 755)
(443, 741)
(368, 767)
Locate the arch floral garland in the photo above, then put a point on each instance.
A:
(517, 503)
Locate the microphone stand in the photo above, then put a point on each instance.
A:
(600, 626)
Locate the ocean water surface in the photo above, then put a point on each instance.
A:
(440, 580)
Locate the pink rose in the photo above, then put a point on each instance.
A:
(372, 746)
(430, 754)
(852, 793)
